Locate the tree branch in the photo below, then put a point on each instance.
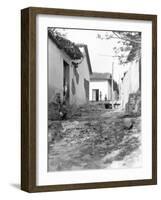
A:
(126, 39)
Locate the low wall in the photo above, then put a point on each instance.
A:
(133, 106)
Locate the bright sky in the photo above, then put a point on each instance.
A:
(100, 51)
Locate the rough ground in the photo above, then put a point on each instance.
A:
(95, 138)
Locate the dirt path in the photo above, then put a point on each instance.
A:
(95, 141)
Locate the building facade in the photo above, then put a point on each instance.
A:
(69, 70)
(100, 87)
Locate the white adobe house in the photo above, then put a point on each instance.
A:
(100, 87)
(69, 70)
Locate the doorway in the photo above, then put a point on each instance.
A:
(66, 86)
(95, 95)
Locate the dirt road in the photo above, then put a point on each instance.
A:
(95, 140)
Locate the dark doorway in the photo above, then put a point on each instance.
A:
(66, 82)
(95, 94)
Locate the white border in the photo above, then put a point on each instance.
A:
(51, 178)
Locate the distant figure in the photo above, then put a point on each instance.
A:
(105, 97)
(100, 96)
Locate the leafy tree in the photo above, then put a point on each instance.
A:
(128, 46)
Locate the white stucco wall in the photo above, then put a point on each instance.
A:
(103, 86)
(130, 83)
(55, 75)
(55, 70)
(83, 71)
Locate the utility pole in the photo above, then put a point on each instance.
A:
(112, 84)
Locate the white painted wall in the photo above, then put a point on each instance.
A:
(83, 71)
(55, 75)
(55, 70)
(130, 83)
(103, 87)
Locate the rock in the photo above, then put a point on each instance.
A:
(69, 125)
(86, 157)
(127, 123)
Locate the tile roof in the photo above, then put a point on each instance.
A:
(70, 48)
(95, 76)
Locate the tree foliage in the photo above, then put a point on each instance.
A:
(128, 46)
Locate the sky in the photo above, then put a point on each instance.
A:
(100, 50)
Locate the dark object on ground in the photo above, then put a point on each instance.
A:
(127, 123)
(108, 105)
